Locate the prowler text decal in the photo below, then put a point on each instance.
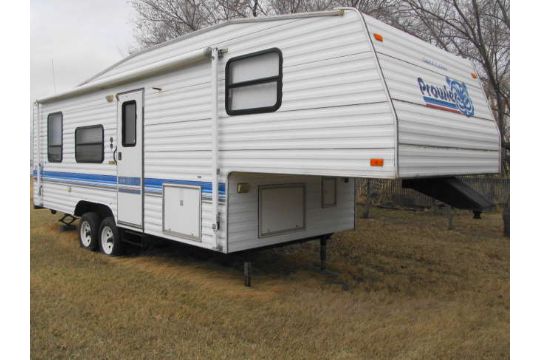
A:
(452, 96)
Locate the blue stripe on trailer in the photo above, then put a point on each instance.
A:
(95, 178)
(129, 180)
(154, 184)
(150, 184)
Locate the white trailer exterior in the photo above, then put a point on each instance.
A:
(339, 95)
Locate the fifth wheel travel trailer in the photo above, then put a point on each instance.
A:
(250, 133)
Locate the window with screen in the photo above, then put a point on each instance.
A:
(54, 137)
(253, 83)
(89, 144)
(129, 123)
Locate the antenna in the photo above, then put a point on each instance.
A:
(53, 75)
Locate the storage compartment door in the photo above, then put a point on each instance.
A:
(281, 209)
(182, 211)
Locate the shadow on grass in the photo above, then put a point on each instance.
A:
(279, 262)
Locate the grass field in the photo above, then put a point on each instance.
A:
(403, 287)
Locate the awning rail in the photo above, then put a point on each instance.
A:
(133, 75)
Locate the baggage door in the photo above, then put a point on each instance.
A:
(129, 159)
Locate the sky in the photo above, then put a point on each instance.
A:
(81, 38)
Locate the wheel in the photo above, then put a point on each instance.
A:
(109, 238)
(88, 231)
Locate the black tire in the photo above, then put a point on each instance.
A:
(88, 231)
(109, 238)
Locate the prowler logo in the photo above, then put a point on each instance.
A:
(452, 96)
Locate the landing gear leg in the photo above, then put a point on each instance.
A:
(247, 273)
(450, 218)
(323, 253)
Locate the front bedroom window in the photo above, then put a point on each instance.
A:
(253, 82)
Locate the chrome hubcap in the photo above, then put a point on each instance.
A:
(107, 239)
(86, 234)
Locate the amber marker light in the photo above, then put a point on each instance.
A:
(474, 75)
(378, 37)
(376, 162)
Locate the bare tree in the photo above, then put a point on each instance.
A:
(384, 10)
(298, 6)
(478, 30)
(162, 20)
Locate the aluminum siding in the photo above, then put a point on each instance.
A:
(59, 192)
(334, 109)
(459, 144)
(243, 225)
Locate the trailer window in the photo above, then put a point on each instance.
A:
(253, 83)
(54, 137)
(89, 144)
(129, 123)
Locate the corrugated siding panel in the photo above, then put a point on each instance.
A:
(243, 231)
(333, 99)
(64, 198)
(402, 80)
(355, 126)
(447, 143)
(178, 143)
(334, 115)
(327, 162)
(306, 40)
(418, 161)
(327, 82)
(83, 111)
(439, 128)
(411, 49)
(56, 196)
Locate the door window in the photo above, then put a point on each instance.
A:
(129, 123)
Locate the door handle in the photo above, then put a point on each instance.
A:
(114, 154)
(119, 155)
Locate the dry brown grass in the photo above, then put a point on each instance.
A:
(405, 288)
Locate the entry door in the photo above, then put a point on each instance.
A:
(129, 158)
